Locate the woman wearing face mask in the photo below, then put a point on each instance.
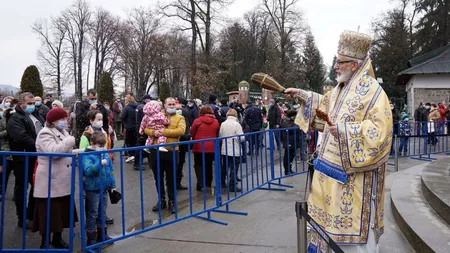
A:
(53, 138)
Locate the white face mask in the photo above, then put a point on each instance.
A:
(97, 124)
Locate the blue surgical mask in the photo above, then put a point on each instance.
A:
(30, 109)
(92, 102)
(171, 111)
(427, 107)
(179, 112)
(7, 104)
(62, 124)
(37, 103)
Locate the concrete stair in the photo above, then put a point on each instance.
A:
(420, 200)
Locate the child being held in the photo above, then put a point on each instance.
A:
(155, 120)
(98, 180)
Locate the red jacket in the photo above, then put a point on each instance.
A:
(442, 111)
(204, 127)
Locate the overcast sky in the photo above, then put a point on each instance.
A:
(18, 45)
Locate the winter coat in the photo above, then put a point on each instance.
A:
(292, 138)
(223, 111)
(253, 118)
(204, 127)
(128, 115)
(434, 115)
(216, 110)
(22, 132)
(442, 112)
(192, 114)
(117, 109)
(173, 132)
(419, 115)
(231, 128)
(405, 127)
(274, 116)
(43, 110)
(96, 176)
(51, 140)
(3, 132)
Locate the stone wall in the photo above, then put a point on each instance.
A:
(433, 96)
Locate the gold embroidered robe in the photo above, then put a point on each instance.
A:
(351, 167)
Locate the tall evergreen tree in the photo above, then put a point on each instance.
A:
(313, 63)
(433, 28)
(106, 88)
(391, 50)
(31, 81)
(332, 74)
(164, 91)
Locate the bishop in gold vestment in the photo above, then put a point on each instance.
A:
(347, 196)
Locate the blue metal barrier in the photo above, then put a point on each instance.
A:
(420, 140)
(23, 176)
(242, 164)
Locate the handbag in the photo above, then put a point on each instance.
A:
(114, 196)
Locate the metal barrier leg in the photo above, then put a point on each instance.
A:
(301, 227)
(396, 152)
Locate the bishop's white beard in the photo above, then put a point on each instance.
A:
(345, 76)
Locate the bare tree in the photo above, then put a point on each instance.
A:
(186, 11)
(52, 51)
(76, 21)
(288, 23)
(103, 37)
(138, 47)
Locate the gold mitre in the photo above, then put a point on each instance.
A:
(354, 44)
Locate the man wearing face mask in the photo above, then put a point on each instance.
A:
(81, 113)
(173, 132)
(41, 108)
(23, 128)
(192, 110)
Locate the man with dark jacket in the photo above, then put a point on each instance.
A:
(224, 108)
(293, 141)
(274, 118)
(117, 109)
(128, 117)
(419, 117)
(141, 138)
(81, 114)
(23, 128)
(192, 110)
(252, 121)
(41, 108)
(183, 149)
(212, 101)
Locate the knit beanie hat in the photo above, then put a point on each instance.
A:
(56, 114)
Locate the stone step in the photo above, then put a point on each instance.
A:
(424, 229)
(436, 187)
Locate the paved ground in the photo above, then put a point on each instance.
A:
(269, 227)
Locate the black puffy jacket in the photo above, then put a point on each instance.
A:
(128, 115)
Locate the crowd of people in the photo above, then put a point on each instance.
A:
(29, 124)
(429, 120)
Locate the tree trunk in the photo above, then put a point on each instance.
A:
(193, 48)
(80, 67)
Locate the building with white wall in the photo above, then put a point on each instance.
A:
(428, 79)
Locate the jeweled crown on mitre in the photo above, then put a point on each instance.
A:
(354, 44)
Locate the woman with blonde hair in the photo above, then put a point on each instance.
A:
(231, 150)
